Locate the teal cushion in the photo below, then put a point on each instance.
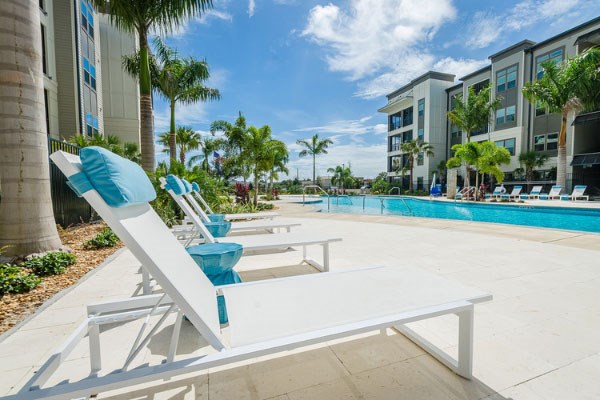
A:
(218, 229)
(195, 187)
(187, 186)
(175, 184)
(120, 182)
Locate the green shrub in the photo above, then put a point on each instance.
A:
(53, 263)
(14, 279)
(106, 238)
(264, 206)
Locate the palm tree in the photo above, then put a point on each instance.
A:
(143, 17)
(559, 90)
(178, 80)
(484, 157)
(414, 148)
(278, 158)
(26, 219)
(342, 175)
(208, 146)
(532, 159)
(313, 147)
(186, 139)
(257, 146)
(234, 164)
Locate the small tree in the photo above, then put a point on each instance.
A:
(530, 160)
(414, 148)
(342, 175)
(186, 140)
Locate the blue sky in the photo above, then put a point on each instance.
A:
(305, 67)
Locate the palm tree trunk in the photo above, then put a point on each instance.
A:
(561, 160)
(26, 219)
(314, 168)
(146, 116)
(410, 182)
(256, 186)
(182, 156)
(172, 141)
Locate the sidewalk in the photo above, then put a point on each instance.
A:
(536, 340)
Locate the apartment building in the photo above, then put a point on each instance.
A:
(85, 89)
(517, 125)
(417, 111)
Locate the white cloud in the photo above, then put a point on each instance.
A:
(345, 127)
(460, 67)
(374, 34)
(489, 26)
(251, 7)
(185, 115)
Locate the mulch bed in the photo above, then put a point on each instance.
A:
(16, 307)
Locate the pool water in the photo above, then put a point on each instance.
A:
(570, 218)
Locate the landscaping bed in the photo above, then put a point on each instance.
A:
(16, 307)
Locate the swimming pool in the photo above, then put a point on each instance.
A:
(577, 219)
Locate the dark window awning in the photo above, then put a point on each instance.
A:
(592, 37)
(586, 160)
(587, 118)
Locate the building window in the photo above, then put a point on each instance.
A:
(89, 73)
(420, 158)
(91, 124)
(87, 18)
(419, 183)
(421, 134)
(407, 136)
(555, 56)
(395, 121)
(505, 115)
(539, 109)
(500, 113)
(455, 131)
(421, 107)
(407, 116)
(395, 164)
(395, 142)
(479, 86)
(545, 142)
(47, 111)
(42, 5)
(509, 144)
(44, 53)
(506, 79)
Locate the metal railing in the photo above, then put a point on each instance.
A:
(392, 189)
(314, 187)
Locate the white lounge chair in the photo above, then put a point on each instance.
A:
(578, 193)
(498, 191)
(265, 317)
(516, 192)
(553, 194)
(534, 194)
(465, 193)
(245, 226)
(260, 242)
(231, 217)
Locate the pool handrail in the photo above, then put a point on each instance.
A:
(392, 189)
(314, 187)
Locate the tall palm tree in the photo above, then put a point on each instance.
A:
(178, 80)
(208, 146)
(26, 219)
(313, 147)
(186, 140)
(560, 90)
(143, 17)
(532, 159)
(414, 148)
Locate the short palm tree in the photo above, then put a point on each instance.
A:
(532, 159)
(562, 89)
(278, 158)
(235, 133)
(342, 175)
(414, 148)
(144, 17)
(314, 147)
(186, 139)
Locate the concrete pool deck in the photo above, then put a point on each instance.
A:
(538, 338)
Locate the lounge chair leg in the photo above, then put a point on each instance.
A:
(147, 287)
(175, 337)
(326, 257)
(95, 355)
(465, 343)
(304, 253)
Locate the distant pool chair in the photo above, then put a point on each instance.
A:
(534, 194)
(516, 192)
(553, 194)
(465, 193)
(498, 191)
(578, 193)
